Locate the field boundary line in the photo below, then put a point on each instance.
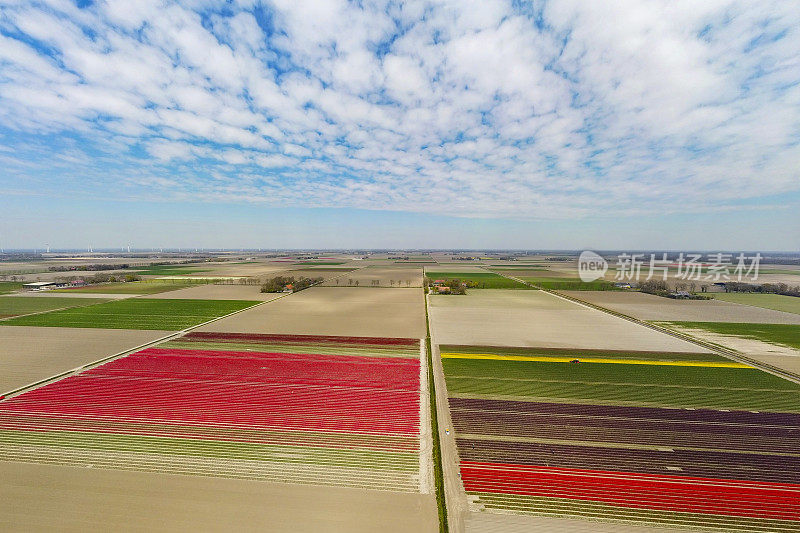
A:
(725, 352)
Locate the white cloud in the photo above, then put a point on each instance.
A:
(580, 108)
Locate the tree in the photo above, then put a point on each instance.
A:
(356, 283)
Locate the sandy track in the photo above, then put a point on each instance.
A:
(29, 354)
(373, 312)
(650, 307)
(537, 318)
(50, 497)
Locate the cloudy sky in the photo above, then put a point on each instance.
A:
(330, 123)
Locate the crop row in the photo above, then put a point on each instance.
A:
(636, 490)
(712, 416)
(291, 417)
(595, 511)
(675, 462)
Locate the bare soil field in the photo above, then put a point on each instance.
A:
(537, 318)
(58, 498)
(253, 269)
(378, 312)
(28, 354)
(454, 267)
(650, 307)
(402, 277)
(325, 273)
(218, 292)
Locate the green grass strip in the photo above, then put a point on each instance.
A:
(438, 474)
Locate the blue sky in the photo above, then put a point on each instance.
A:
(498, 124)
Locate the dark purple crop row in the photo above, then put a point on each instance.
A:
(648, 413)
(705, 464)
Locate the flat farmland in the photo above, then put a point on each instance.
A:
(537, 318)
(686, 441)
(788, 304)
(210, 291)
(133, 287)
(335, 311)
(135, 313)
(781, 334)
(385, 277)
(484, 280)
(29, 354)
(680, 380)
(73, 499)
(650, 307)
(340, 412)
(326, 273)
(22, 305)
(7, 287)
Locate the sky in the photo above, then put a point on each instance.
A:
(453, 124)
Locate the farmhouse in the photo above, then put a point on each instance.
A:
(41, 285)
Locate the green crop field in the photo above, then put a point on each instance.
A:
(786, 334)
(570, 284)
(7, 287)
(615, 374)
(170, 270)
(627, 384)
(22, 305)
(486, 280)
(135, 313)
(133, 287)
(777, 302)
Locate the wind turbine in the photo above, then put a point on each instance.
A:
(48, 248)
